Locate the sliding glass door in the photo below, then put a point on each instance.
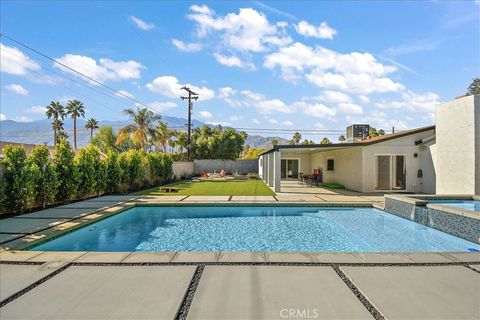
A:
(390, 172)
(289, 168)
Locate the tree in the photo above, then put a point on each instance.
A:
(161, 136)
(91, 124)
(56, 111)
(325, 140)
(274, 142)
(217, 143)
(18, 179)
(372, 133)
(113, 172)
(342, 138)
(251, 153)
(87, 163)
(44, 175)
(75, 109)
(474, 87)
(306, 141)
(181, 141)
(142, 128)
(105, 140)
(381, 132)
(296, 138)
(66, 170)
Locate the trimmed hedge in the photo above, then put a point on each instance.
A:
(37, 180)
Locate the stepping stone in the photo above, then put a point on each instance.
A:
(431, 292)
(17, 277)
(5, 237)
(19, 225)
(271, 292)
(105, 292)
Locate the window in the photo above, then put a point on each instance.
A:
(330, 164)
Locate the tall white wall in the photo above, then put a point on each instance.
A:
(457, 157)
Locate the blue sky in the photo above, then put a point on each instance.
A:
(287, 65)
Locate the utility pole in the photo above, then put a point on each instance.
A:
(191, 96)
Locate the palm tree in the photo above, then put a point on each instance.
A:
(141, 129)
(296, 138)
(274, 142)
(342, 138)
(162, 134)
(75, 109)
(56, 111)
(325, 141)
(91, 124)
(181, 140)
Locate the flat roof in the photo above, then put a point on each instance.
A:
(365, 142)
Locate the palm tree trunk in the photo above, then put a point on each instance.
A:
(91, 134)
(75, 131)
(54, 138)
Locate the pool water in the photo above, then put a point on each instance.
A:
(462, 204)
(296, 229)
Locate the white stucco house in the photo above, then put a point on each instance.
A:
(442, 158)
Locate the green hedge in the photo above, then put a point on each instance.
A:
(37, 180)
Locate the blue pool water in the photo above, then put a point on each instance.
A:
(257, 229)
(462, 204)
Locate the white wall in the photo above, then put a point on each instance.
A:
(348, 166)
(399, 146)
(457, 151)
(304, 158)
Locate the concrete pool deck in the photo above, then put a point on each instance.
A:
(222, 285)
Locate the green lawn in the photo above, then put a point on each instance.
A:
(215, 188)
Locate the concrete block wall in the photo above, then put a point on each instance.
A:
(183, 169)
(217, 165)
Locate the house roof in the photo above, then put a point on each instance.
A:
(364, 142)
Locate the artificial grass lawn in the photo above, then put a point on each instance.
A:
(214, 188)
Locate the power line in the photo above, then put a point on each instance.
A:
(79, 73)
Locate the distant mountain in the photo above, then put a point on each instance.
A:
(40, 131)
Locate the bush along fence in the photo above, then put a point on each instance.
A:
(36, 180)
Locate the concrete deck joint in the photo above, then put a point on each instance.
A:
(367, 304)
(33, 285)
(189, 294)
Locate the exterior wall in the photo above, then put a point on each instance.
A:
(217, 165)
(427, 183)
(304, 165)
(348, 166)
(400, 146)
(457, 151)
(182, 169)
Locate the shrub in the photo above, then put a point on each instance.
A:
(45, 177)
(18, 180)
(156, 164)
(113, 173)
(253, 176)
(167, 168)
(88, 165)
(131, 162)
(66, 170)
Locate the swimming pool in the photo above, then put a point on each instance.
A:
(240, 228)
(471, 205)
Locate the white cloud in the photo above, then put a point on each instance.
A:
(255, 121)
(287, 123)
(253, 96)
(414, 46)
(412, 102)
(16, 88)
(226, 92)
(236, 118)
(233, 61)
(334, 97)
(124, 94)
(102, 71)
(323, 31)
(37, 110)
(363, 99)
(169, 86)
(317, 110)
(139, 23)
(187, 47)
(22, 119)
(247, 31)
(2, 117)
(205, 114)
(325, 68)
(271, 120)
(162, 106)
(15, 61)
(349, 108)
(272, 106)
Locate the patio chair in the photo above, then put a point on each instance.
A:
(223, 174)
(300, 179)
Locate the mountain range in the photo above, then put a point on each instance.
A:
(40, 131)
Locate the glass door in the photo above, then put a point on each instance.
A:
(289, 168)
(390, 172)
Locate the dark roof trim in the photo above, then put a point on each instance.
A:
(352, 144)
